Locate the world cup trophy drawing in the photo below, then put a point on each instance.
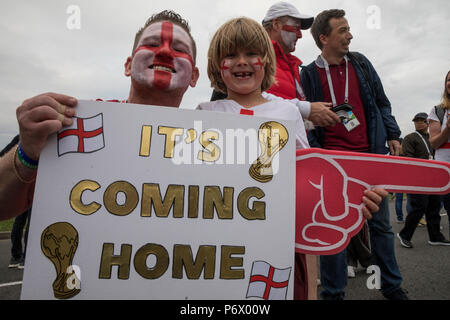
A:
(272, 137)
(59, 243)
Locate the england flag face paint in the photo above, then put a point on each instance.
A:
(163, 58)
(242, 72)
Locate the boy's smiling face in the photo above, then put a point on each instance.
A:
(242, 72)
(163, 58)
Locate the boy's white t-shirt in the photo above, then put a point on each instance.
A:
(440, 154)
(276, 109)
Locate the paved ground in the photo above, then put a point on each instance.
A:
(425, 269)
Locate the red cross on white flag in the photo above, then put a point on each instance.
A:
(267, 282)
(85, 135)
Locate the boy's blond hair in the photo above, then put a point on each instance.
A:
(240, 33)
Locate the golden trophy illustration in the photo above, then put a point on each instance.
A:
(272, 137)
(59, 242)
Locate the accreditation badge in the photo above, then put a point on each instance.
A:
(351, 122)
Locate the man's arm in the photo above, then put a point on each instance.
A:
(38, 118)
(15, 195)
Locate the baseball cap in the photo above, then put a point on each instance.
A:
(420, 115)
(281, 9)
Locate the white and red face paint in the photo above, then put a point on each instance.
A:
(243, 72)
(163, 57)
(290, 33)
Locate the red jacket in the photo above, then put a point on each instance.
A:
(287, 67)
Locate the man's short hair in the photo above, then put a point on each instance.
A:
(167, 15)
(321, 24)
(240, 33)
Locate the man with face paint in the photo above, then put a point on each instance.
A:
(161, 68)
(284, 24)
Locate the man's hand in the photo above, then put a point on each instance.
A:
(394, 147)
(321, 114)
(42, 116)
(372, 198)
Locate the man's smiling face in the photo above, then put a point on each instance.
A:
(163, 58)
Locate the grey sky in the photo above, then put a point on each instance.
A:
(410, 50)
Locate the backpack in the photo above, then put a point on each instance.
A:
(440, 112)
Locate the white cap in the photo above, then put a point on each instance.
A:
(281, 9)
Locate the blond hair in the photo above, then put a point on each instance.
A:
(240, 33)
(446, 96)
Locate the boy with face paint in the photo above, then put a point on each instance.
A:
(241, 64)
(161, 68)
(284, 24)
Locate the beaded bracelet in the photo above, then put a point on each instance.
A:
(16, 172)
(26, 160)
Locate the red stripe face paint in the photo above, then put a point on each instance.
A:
(257, 63)
(294, 29)
(163, 57)
(226, 63)
(290, 33)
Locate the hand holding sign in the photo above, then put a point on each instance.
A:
(330, 185)
(42, 116)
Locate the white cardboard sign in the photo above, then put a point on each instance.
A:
(146, 202)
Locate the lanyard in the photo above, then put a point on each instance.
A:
(330, 82)
(426, 145)
(299, 90)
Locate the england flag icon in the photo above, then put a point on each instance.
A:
(85, 135)
(267, 282)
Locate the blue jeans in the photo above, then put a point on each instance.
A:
(333, 268)
(399, 206)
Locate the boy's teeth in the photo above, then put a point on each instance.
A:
(243, 74)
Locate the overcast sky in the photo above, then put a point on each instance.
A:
(42, 48)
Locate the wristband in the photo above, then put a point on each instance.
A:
(16, 172)
(26, 160)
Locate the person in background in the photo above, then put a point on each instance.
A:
(283, 22)
(417, 145)
(440, 134)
